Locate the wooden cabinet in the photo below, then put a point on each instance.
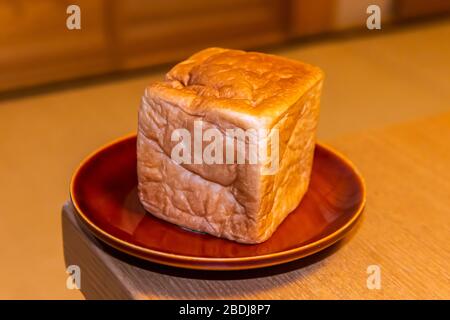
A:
(160, 31)
(409, 9)
(37, 48)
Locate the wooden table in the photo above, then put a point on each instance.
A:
(405, 232)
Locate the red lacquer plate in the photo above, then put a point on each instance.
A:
(104, 193)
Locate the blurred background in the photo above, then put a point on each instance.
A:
(64, 93)
(36, 48)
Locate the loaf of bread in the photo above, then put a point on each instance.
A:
(270, 99)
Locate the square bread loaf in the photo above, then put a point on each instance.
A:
(228, 90)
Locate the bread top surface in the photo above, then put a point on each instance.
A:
(236, 82)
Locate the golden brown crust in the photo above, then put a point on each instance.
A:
(229, 89)
(253, 83)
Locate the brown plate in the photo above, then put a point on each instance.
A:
(104, 192)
